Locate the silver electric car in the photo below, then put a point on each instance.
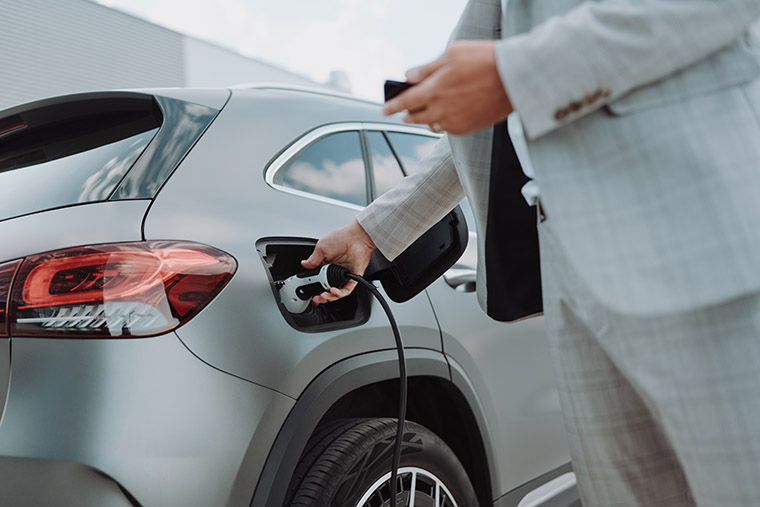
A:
(145, 356)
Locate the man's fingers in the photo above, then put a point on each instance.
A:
(417, 74)
(415, 98)
(397, 104)
(329, 297)
(334, 294)
(429, 115)
(325, 297)
(344, 291)
(314, 260)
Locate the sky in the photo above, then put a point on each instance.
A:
(371, 40)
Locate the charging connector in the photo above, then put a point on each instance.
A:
(296, 292)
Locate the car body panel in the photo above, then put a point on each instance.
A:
(214, 98)
(168, 428)
(527, 436)
(241, 331)
(65, 483)
(86, 224)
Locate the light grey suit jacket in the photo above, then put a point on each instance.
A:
(643, 127)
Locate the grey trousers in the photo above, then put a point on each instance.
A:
(661, 411)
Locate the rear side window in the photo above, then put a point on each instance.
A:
(332, 167)
(385, 168)
(71, 152)
(411, 148)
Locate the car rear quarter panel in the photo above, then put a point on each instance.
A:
(218, 196)
(145, 411)
(88, 224)
(62, 228)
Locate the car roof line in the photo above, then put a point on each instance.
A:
(299, 88)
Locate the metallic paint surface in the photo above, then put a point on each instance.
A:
(86, 224)
(65, 484)
(168, 427)
(241, 331)
(214, 98)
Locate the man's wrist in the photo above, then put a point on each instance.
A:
(361, 233)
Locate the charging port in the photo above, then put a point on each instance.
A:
(282, 258)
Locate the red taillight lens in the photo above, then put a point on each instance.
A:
(117, 290)
(6, 278)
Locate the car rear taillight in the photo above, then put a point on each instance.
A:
(116, 290)
(7, 271)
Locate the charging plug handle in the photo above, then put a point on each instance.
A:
(296, 292)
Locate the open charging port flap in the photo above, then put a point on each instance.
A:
(282, 258)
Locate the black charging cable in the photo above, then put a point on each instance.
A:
(402, 378)
(296, 293)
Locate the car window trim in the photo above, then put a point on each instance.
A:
(395, 154)
(371, 164)
(318, 133)
(369, 169)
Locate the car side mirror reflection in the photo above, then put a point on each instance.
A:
(423, 261)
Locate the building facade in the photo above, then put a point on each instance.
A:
(54, 47)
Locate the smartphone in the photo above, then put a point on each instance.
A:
(393, 88)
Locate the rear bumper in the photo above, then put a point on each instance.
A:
(33, 482)
(102, 422)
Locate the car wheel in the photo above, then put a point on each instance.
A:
(347, 464)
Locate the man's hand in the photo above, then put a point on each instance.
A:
(460, 92)
(348, 246)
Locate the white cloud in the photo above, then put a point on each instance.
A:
(343, 181)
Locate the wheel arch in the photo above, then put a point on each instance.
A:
(367, 385)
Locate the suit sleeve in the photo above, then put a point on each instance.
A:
(571, 65)
(400, 216)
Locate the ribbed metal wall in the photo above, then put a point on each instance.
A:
(51, 47)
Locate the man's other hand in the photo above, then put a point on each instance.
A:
(460, 92)
(349, 246)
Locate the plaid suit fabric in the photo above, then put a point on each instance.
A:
(660, 411)
(651, 186)
(643, 124)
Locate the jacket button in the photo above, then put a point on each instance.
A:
(561, 114)
(575, 106)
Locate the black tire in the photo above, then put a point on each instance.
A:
(344, 459)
